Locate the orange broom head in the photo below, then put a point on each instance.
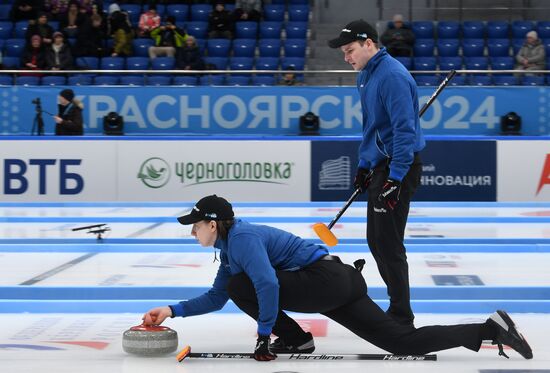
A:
(325, 234)
(183, 353)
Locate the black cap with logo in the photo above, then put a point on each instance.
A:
(209, 208)
(356, 30)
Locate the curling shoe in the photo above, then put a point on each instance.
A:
(507, 334)
(304, 345)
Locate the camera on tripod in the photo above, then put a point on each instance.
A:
(38, 123)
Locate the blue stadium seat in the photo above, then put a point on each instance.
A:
(298, 63)
(106, 80)
(185, 80)
(20, 29)
(448, 30)
(212, 80)
(159, 80)
(517, 44)
(6, 80)
(543, 29)
(424, 63)
(54, 24)
(521, 28)
(112, 63)
(179, 11)
(201, 43)
(218, 47)
(5, 12)
(423, 29)
(6, 29)
(424, 47)
(481, 80)
(546, 44)
(473, 47)
(476, 63)
(230, 7)
(505, 80)
(87, 63)
(263, 80)
(219, 62)
(294, 2)
(473, 30)
(498, 47)
(198, 29)
(53, 80)
(270, 47)
(11, 62)
(163, 63)
(267, 63)
(161, 9)
(132, 80)
(295, 47)
(270, 30)
(447, 47)
(532, 80)
(134, 12)
(137, 63)
(502, 63)
(241, 63)
(14, 47)
(141, 46)
(27, 80)
(296, 30)
(79, 80)
(427, 80)
(2, 41)
(450, 63)
(200, 12)
(406, 61)
(246, 30)
(458, 80)
(244, 47)
(498, 29)
(298, 13)
(274, 12)
(237, 80)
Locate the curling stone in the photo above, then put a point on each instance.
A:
(151, 340)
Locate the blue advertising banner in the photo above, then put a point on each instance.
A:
(452, 171)
(270, 110)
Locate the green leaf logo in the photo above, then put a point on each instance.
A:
(154, 172)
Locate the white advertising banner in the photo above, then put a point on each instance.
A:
(523, 170)
(237, 170)
(54, 171)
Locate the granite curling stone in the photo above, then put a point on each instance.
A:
(149, 340)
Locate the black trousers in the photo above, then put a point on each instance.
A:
(385, 235)
(339, 292)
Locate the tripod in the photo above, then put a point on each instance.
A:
(38, 123)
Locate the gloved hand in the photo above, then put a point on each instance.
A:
(390, 193)
(261, 352)
(362, 179)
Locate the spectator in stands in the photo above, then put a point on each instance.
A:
(41, 28)
(121, 31)
(25, 10)
(148, 21)
(58, 55)
(219, 22)
(33, 56)
(57, 9)
(289, 78)
(87, 7)
(167, 38)
(247, 10)
(90, 37)
(189, 56)
(71, 20)
(398, 38)
(531, 56)
(69, 118)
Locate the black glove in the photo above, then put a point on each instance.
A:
(261, 352)
(390, 193)
(362, 179)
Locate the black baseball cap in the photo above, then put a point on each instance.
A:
(356, 30)
(209, 208)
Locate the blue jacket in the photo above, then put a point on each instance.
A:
(391, 126)
(259, 251)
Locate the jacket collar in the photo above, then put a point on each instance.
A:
(375, 60)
